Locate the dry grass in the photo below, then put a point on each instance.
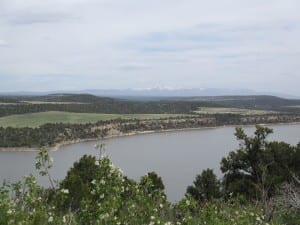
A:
(37, 119)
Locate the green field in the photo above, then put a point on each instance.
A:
(219, 110)
(293, 106)
(37, 119)
(40, 103)
(8, 103)
(58, 103)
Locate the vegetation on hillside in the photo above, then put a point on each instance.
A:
(50, 134)
(260, 186)
(95, 104)
(237, 111)
(37, 119)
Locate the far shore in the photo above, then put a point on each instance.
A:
(57, 146)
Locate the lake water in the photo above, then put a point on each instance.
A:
(176, 156)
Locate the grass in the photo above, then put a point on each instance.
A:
(59, 103)
(219, 110)
(8, 103)
(293, 106)
(39, 103)
(38, 119)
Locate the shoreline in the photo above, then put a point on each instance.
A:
(57, 146)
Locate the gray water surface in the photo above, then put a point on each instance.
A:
(176, 156)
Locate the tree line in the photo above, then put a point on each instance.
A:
(110, 107)
(51, 134)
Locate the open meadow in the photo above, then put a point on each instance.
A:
(221, 110)
(38, 119)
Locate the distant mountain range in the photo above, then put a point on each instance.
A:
(155, 92)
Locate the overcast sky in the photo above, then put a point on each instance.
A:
(102, 44)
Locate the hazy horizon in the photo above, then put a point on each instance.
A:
(137, 44)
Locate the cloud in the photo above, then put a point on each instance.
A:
(3, 43)
(133, 66)
(180, 40)
(15, 12)
(228, 39)
(26, 18)
(139, 43)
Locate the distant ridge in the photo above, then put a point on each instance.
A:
(153, 92)
(160, 92)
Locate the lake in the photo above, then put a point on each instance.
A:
(176, 156)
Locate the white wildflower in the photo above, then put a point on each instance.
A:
(65, 191)
(120, 171)
(104, 216)
(102, 182)
(50, 219)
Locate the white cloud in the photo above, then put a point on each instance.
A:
(139, 43)
(3, 43)
(133, 66)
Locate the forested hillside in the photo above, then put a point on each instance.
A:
(84, 103)
(264, 102)
(93, 104)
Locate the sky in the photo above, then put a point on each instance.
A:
(118, 44)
